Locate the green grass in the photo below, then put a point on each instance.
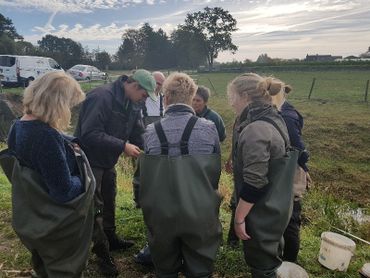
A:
(337, 134)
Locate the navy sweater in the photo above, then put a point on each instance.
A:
(43, 149)
(294, 123)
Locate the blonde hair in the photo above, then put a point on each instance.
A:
(256, 88)
(179, 88)
(280, 90)
(50, 98)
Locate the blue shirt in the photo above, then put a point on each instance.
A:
(43, 149)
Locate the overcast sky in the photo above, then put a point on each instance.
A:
(280, 28)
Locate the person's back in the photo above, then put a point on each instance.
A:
(203, 139)
(42, 148)
(52, 183)
(179, 178)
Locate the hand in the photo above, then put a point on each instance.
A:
(240, 230)
(309, 180)
(241, 212)
(76, 147)
(229, 166)
(132, 150)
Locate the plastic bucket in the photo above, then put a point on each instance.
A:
(291, 270)
(336, 251)
(365, 271)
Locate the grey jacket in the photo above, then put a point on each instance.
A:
(203, 139)
(258, 143)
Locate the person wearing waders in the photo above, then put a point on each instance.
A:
(264, 168)
(180, 171)
(110, 125)
(302, 179)
(52, 182)
(232, 239)
(152, 111)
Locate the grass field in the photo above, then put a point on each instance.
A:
(337, 134)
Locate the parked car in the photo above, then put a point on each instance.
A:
(19, 70)
(86, 72)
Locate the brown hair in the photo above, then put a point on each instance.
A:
(203, 92)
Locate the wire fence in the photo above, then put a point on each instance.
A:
(328, 86)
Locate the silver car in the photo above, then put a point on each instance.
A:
(86, 72)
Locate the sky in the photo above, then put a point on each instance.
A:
(280, 28)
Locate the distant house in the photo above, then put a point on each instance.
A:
(321, 58)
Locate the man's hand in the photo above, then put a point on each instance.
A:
(131, 150)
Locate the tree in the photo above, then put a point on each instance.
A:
(7, 28)
(131, 52)
(25, 48)
(102, 60)
(366, 54)
(7, 45)
(7, 36)
(216, 26)
(65, 51)
(189, 48)
(145, 48)
(157, 47)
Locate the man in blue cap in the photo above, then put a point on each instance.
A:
(109, 125)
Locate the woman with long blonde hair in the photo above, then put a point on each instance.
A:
(302, 179)
(52, 182)
(263, 173)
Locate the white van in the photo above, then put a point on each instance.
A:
(19, 70)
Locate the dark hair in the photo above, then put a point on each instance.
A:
(204, 93)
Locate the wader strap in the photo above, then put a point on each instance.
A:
(186, 135)
(160, 105)
(162, 138)
(145, 111)
(265, 119)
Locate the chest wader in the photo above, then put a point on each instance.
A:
(180, 204)
(269, 217)
(57, 235)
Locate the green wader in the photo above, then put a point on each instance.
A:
(180, 204)
(269, 217)
(57, 235)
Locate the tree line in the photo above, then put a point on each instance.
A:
(197, 41)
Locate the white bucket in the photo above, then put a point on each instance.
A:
(336, 251)
(291, 270)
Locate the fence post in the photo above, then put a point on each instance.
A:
(366, 90)
(312, 85)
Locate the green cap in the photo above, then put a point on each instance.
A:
(147, 81)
